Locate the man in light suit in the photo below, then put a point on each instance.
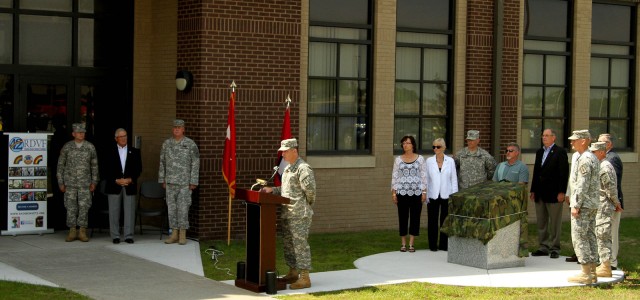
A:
(124, 165)
(550, 175)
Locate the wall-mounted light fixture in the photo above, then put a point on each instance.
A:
(184, 80)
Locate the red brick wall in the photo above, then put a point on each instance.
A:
(478, 102)
(257, 44)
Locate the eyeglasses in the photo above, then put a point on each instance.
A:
(511, 150)
(436, 147)
(121, 136)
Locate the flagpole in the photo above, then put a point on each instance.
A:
(233, 90)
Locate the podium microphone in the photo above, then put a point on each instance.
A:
(275, 171)
(263, 182)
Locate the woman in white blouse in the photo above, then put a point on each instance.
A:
(408, 190)
(442, 181)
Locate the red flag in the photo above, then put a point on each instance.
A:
(229, 157)
(286, 134)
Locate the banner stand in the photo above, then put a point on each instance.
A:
(27, 184)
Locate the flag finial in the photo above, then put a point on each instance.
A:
(288, 101)
(233, 86)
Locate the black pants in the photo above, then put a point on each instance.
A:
(437, 211)
(409, 210)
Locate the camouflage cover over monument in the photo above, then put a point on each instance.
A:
(481, 210)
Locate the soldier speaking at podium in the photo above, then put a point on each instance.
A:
(299, 185)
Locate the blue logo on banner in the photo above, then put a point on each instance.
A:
(16, 144)
(27, 206)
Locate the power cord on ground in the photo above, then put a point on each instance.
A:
(215, 254)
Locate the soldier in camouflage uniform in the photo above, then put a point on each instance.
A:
(179, 174)
(473, 164)
(77, 178)
(299, 185)
(608, 205)
(584, 201)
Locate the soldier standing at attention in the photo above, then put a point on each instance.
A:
(179, 173)
(474, 164)
(299, 185)
(77, 178)
(584, 201)
(609, 204)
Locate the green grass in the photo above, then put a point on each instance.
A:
(17, 290)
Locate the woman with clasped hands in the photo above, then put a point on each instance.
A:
(409, 190)
(442, 181)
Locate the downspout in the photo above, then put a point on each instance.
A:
(496, 88)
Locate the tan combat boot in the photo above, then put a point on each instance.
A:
(584, 277)
(83, 234)
(73, 234)
(303, 282)
(604, 270)
(292, 276)
(173, 238)
(594, 276)
(182, 239)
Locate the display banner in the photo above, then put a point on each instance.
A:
(27, 184)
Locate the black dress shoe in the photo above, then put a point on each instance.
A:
(129, 241)
(613, 268)
(116, 241)
(572, 258)
(554, 254)
(539, 253)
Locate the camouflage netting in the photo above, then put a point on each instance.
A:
(481, 210)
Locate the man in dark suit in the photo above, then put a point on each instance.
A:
(124, 165)
(550, 175)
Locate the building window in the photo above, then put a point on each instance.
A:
(423, 72)
(547, 50)
(612, 64)
(339, 98)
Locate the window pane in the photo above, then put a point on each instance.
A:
(435, 64)
(407, 98)
(599, 71)
(85, 42)
(532, 101)
(352, 97)
(52, 5)
(619, 104)
(352, 134)
(6, 39)
(6, 102)
(434, 96)
(556, 67)
(611, 22)
(408, 63)
(554, 102)
(45, 102)
(321, 133)
(620, 72)
(6, 3)
(531, 131)
(533, 67)
(425, 14)
(618, 131)
(545, 45)
(322, 59)
(45, 40)
(85, 6)
(353, 60)
(402, 127)
(422, 38)
(546, 18)
(432, 128)
(339, 11)
(322, 96)
(598, 103)
(337, 33)
(610, 49)
(596, 127)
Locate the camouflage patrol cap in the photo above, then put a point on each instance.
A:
(288, 144)
(78, 127)
(473, 135)
(598, 146)
(580, 134)
(178, 123)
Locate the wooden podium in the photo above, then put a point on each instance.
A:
(260, 239)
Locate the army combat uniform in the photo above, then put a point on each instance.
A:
(474, 167)
(77, 170)
(608, 203)
(584, 186)
(179, 167)
(299, 185)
